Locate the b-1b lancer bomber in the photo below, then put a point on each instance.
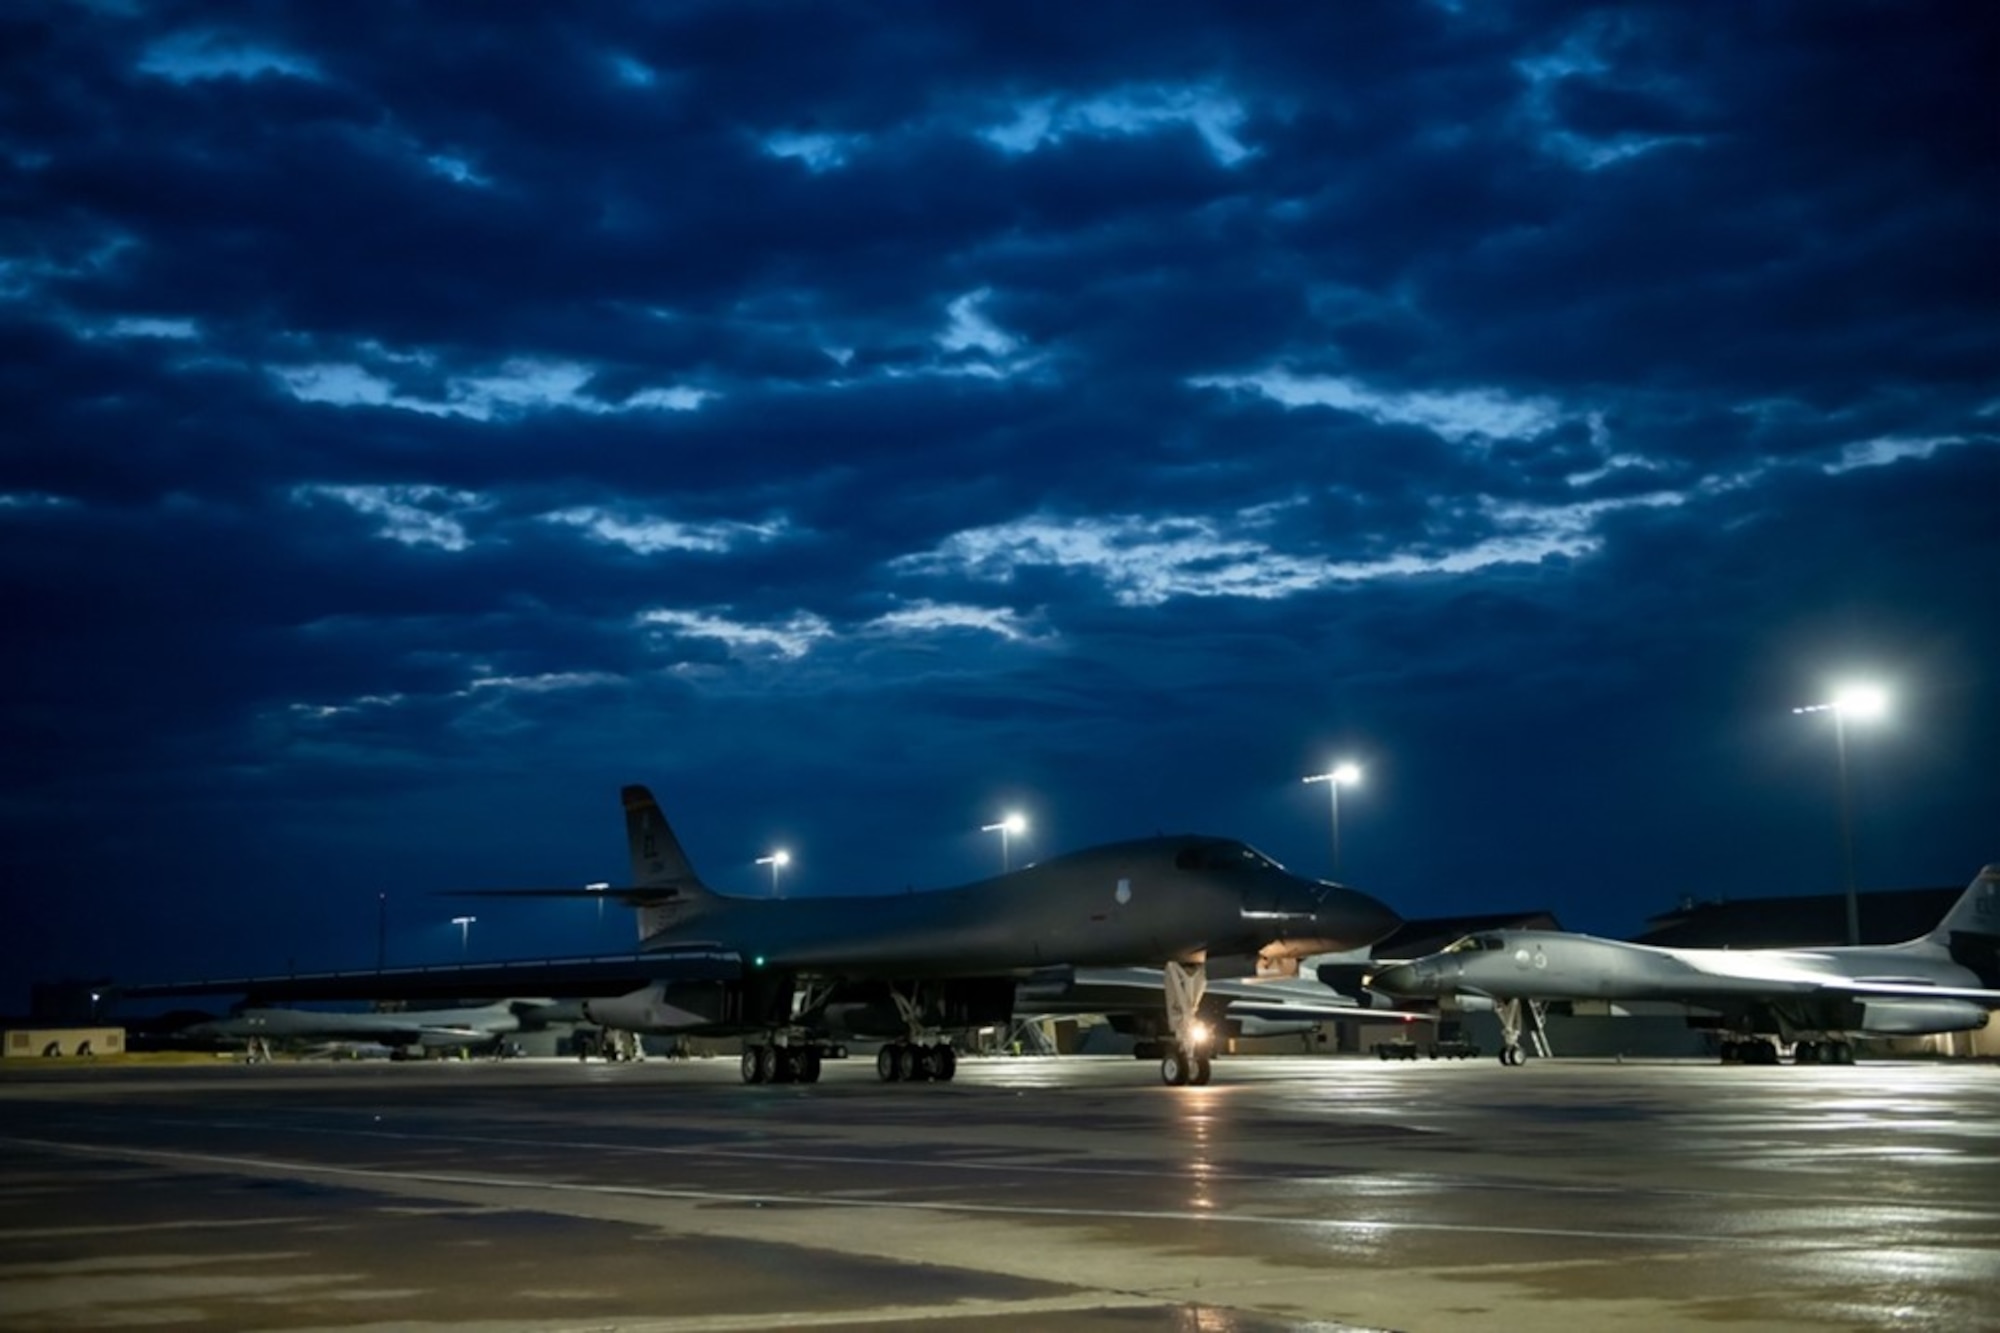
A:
(1945, 981)
(795, 977)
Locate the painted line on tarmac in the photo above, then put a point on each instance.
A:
(1143, 1171)
(264, 1165)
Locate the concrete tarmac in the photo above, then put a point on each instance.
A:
(1070, 1194)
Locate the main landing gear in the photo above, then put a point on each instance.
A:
(771, 1063)
(1831, 1051)
(914, 1062)
(1761, 1051)
(1187, 1062)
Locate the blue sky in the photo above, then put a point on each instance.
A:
(855, 422)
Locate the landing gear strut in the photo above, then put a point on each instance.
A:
(1187, 1062)
(1513, 1026)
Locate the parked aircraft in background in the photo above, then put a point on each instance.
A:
(790, 975)
(403, 1032)
(1945, 981)
(1130, 1000)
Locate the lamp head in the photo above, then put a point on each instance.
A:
(1863, 703)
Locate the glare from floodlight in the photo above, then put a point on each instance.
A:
(1343, 774)
(1011, 825)
(464, 924)
(1863, 703)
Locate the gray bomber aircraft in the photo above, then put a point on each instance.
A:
(794, 976)
(1945, 981)
(419, 1029)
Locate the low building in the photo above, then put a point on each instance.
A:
(50, 1042)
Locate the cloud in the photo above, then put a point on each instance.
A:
(1459, 415)
(790, 638)
(409, 515)
(650, 536)
(1883, 451)
(1146, 561)
(520, 386)
(924, 617)
(402, 450)
(1211, 113)
(191, 57)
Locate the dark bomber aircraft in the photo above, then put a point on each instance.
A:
(1945, 981)
(794, 976)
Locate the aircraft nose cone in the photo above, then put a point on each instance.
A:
(1361, 919)
(1402, 979)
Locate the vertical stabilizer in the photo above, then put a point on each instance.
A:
(658, 862)
(1970, 931)
(1977, 911)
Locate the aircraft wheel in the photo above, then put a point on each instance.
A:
(787, 1066)
(887, 1067)
(944, 1062)
(1843, 1052)
(1203, 1070)
(918, 1064)
(1173, 1069)
(809, 1060)
(753, 1065)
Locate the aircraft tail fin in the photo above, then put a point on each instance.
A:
(1970, 931)
(660, 864)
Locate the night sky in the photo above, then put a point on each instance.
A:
(858, 421)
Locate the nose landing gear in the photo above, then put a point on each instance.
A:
(1186, 1063)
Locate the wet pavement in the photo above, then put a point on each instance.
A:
(1073, 1194)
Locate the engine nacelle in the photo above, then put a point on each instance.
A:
(1916, 1018)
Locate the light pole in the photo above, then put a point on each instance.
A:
(1340, 775)
(777, 860)
(1008, 826)
(1863, 703)
(464, 924)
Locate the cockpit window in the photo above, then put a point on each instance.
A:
(1476, 944)
(1261, 861)
(1222, 856)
